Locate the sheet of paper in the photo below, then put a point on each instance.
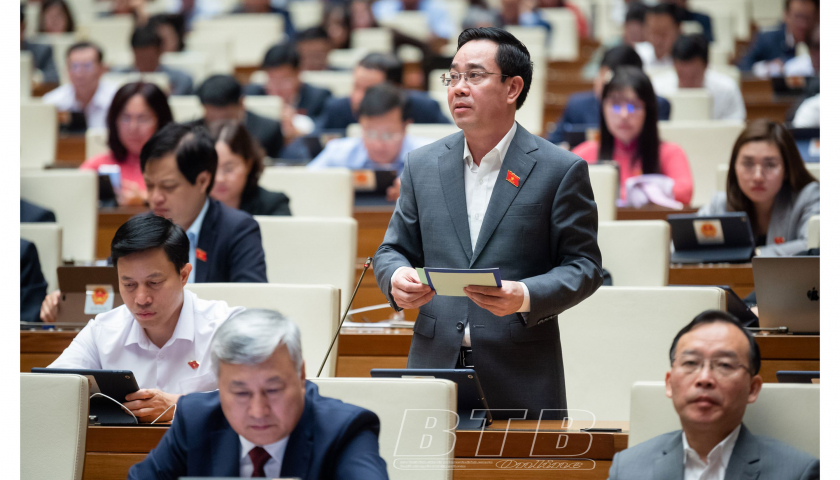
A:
(450, 282)
(421, 272)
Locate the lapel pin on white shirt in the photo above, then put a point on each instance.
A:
(193, 364)
(513, 179)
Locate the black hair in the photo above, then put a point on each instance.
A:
(153, 96)
(220, 91)
(386, 63)
(312, 33)
(381, 99)
(22, 13)
(815, 2)
(712, 316)
(194, 150)
(636, 12)
(621, 56)
(280, 55)
(647, 150)
(234, 134)
(145, 36)
(46, 4)
(175, 20)
(512, 56)
(81, 45)
(689, 47)
(665, 9)
(146, 232)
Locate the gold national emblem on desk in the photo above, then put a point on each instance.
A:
(99, 296)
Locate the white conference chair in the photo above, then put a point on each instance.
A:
(26, 70)
(196, 64)
(435, 85)
(219, 51)
(38, 134)
(314, 308)
(433, 131)
(53, 425)
(636, 253)
(268, 106)
(814, 232)
(530, 115)
(406, 408)
(339, 83)
(723, 172)
(412, 23)
(120, 79)
(312, 193)
(185, 108)
(113, 35)
(563, 41)
(47, 239)
(706, 144)
(633, 328)
(301, 250)
(250, 34)
(690, 104)
(604, 180)
(767, 13)
(345, 58)
(306, 14)
(785, 411)
(372, 39)
(60, 43)
(96, 142)
(73, 196)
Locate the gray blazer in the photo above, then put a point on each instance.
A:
(789, 220)
(542, 233)
(754, 457)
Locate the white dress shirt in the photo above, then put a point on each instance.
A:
(96, 111)
(192, 236)
(727, 102)
(649, 60)
(271, 467)
(808, 113)
(714, 468)
(115, 341)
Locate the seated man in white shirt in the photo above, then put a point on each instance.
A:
(85, 93)
(714, 375)
(162, 333)
(691, 61)
(662, 28)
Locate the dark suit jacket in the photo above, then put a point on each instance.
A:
(421, 109)
(768, 45)
(231, 239)
(584, 109)
(265, 130)
(542, 233)
(311, 99)
(42, 59)
(31, 213)
(331, 440)
(33, 286)
(265, 202)
(754, 456)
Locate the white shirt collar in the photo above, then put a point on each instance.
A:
(276, 449)
(721, 453)
(501, 148)
(184, 329)
(195, 228)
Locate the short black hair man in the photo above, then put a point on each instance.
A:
(662, 28)
(772, 48)
(162, 332)
(148, 47)
(221, 97)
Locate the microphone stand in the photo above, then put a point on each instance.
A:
(335, 337)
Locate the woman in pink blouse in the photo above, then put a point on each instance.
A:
(630, 137)
(137, 111)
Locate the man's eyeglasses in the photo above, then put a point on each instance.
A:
(473, 77)
(720, 367)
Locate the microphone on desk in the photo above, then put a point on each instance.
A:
(335, 337)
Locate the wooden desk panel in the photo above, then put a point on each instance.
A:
(737, 275)
(71, 149)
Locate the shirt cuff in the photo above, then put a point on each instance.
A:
(526, 302)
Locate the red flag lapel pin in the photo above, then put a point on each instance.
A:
(200, 254)
(512, 178)
(193, 364)
(778, 240)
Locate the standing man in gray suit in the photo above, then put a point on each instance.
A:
(493, 195)
(714, 375)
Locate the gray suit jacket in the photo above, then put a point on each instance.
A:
(754, 457)
(789, 220)
(542, 233)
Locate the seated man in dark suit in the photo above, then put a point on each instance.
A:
(147, 47)
(33, 286)
(585, 108)
(282, 65)
(711, 403)
(221, 97)
(687, 15)
(771, 49)
(42, 55)
(30, 213)
(374, 69)
(266, 419)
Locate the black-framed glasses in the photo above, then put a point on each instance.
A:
(473, 77)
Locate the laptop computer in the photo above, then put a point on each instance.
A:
(797, 376)
(711, 239)
(87, 292)
(116, 384)
(470, 394)
(787, 290)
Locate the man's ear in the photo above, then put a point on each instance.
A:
(303, 370)
(755, 388)
(668, 392)
(203, 179)
(185, 273)
(515, 89)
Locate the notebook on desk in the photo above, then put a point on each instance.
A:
(711, 239)
(87, 292)
(787, 290)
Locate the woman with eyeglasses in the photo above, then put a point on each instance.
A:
(238, 172)
(630, 136)
(137, 111)
(768, 180)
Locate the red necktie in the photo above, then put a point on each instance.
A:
(259, 457)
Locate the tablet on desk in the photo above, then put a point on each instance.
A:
(711, 239)
(115, 384)
(86, 292)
